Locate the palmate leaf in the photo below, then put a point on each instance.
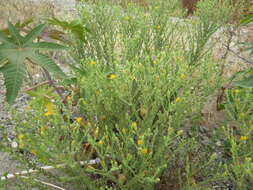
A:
(15, 49)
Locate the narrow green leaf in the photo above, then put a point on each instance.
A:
(3, 61)
(76, 69)
(15, 33)
(48, 64)
(247, 20)
(47, 46)
(4, 38)
(34, 33)
(25, 23)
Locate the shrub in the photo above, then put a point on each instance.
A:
(139, 82)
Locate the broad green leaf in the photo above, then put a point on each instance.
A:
(48, 64)
(32, 35)
(245, 83)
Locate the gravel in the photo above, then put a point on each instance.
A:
(7, 164)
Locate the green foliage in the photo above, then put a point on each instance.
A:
(15, 49)
(74, 27)
(134, 89)
(247, 81)
(248, 19)
(239, 142)
(139, 81)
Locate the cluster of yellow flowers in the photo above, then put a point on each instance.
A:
(244, 138)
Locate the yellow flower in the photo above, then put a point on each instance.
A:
(181, 58)
(241, 115)
(134, 125)
(101, 142)
(112, 76)
(155, 62)
(28, 108)
(69, 98)
(93, 63)
(43, 129)
(143, 111)
(132, 78)
(21, 137)
(79, 119)
(140, 142)
(177, 99)
(158, 27)
(236, 91)
(144, 151)
(34, 152)
(21, 144)
(182, 76)
(50, 110)
(244, 138)
(90, 167)
(170, 130)
(127, 18)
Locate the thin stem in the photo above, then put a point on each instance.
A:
(46, 183)
(51, 82)
(36, 86)
(239, 56)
